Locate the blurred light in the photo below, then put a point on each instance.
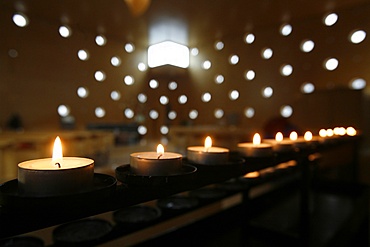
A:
(249, 38)
(234, 59)
(286, 29)
(357, 84)
(142, 130)
(153, 83)
(329, 132)
(153, 114)
(219, 113)
(129, 48)
(193, 114)
(286, 70)
(267, 92)
(172, 115)
(331, 64)
(99, 112)
(99, 75)
(82, 92)
(164, 100)
(234, 94)
(351, 131)
(142, 98)
(307, 136)
(307, 87)
(129, 113)
(20, 20)
(250, 75)
(129, 80)
(293, 136)
(330, 19)
(206, 97)
(115, 95)
(206, 65)
(307, 45)
(100, 40)
(83, 55)
(141, 66)
(164, 130)
(219, 79)
(323, 133)
(267, 53)
(219, 45)
(115, 61)
(63, 110)
(194, 52)
(286, 111)
(357, 36)
(65, 31)
(182, 99)
(249, 112)
(172, 85)
(168, 53)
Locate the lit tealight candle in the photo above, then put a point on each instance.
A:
(323, 133)
(158, 163)
(255, 149)
(279, 137)
(305, 141)
(326, 136)
(339, 131)
(351, 131)
(208, 155)
(55, 176)
(308, 136)
(279, 144)
(329, 132)
(293, 136)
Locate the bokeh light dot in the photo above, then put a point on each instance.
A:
(219, 79)
(286, 111)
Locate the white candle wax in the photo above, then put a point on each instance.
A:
(154, 164)
(44, 177)
(208, 156)
(49, 164)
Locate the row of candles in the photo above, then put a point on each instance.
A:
(67, 175)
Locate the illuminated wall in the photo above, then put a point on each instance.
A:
(313, 73)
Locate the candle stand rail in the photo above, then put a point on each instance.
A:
(22, 215)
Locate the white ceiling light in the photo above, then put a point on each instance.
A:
(168, 53)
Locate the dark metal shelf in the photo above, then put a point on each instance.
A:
(29, 217)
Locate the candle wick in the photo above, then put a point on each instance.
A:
(160, 155)
(57, 164)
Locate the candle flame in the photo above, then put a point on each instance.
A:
(279, 137)
(256, 139)
(293, 136)
(57, 151)
(323, 133)
(160, 150)
(342, 131)
(208, 143)
(351, 131)
(329, 132)
(308, 136)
